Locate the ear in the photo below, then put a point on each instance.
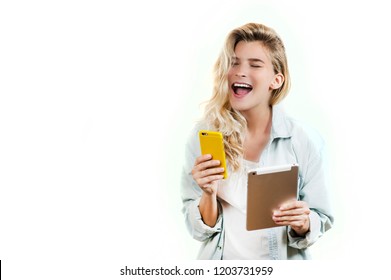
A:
(278, 81)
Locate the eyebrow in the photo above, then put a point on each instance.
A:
(250, 59)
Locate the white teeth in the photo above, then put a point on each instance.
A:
(241, 85)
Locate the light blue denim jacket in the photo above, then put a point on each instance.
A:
(290, 142)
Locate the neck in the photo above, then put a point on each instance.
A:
(259, 121)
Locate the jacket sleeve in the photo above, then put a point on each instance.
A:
(191, 195)
(313, 189)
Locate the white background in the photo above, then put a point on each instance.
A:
(97, 98)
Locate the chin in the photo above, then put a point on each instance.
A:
(239, 107)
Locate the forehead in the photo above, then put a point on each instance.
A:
(250, 50)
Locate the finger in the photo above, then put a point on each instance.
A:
(206, 170)
(294, 223)
(203, 158)
(204, 165)
(293, 212)
(207, 180)
(207, 164)
(292, 204)
(211, 171)
(289, 219)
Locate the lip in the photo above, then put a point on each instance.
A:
(241, 89)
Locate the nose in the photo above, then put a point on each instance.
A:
(240, 75)
(240, 71)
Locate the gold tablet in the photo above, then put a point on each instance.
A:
(267, 189)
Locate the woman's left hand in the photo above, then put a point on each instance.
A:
(294, 214)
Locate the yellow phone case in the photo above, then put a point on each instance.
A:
(212, 143)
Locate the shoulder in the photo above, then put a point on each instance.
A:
(192, 137)
(192, 141)
(306, 133)
(304, 136)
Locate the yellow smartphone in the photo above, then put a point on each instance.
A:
(212, 143)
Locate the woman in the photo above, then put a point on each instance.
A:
(251, 77)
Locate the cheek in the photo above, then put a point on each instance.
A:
(263, 83)
(230, 76)
(261, 86)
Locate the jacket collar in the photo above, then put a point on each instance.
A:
(281, 127)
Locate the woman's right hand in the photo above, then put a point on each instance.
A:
(206, 172)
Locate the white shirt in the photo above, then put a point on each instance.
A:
(240, 243)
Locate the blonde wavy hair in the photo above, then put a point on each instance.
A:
(218, 114)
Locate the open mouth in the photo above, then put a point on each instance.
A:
(241, 89)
